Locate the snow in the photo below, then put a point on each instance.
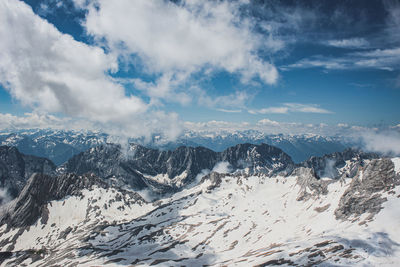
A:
(243, 221)
(396, 162)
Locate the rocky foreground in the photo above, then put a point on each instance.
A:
(296, 218)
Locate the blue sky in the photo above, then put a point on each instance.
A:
(155, 65)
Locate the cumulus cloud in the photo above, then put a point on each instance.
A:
(171, 39)
(291, 107)
(53, 73)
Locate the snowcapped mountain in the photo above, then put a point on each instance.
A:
(299, 147)
(168, 171)
(59, 146)
(56, 145)
(227, 219)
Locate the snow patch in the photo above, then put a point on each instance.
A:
(396, 162)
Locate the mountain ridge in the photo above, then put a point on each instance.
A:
(228, 218)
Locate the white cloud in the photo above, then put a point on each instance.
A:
(51, 72)
(386, 142)
(222, 167)
(306, 108)
(229, 110)
(30, 121)
(192, 36)
(384, 59)
(270, 110)
(267, 122)
(348, 43)
(235, 100)
(291, 107)
(320, 62)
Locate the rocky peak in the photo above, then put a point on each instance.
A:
(169, 170)
(258, 158)
(339, 164)
(16, 168)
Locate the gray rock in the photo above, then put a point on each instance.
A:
(309, 184)
(329, 165)
(131, 168)
(365, 191)
(16, 168)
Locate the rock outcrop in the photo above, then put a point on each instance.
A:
(364, 194)
(16, 168)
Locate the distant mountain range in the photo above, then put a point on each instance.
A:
(59, 146)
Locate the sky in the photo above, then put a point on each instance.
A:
(142, 67)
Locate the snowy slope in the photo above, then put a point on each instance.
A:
(227, 219)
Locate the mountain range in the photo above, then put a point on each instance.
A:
(248, 205)
(60, 145)
(258, 209)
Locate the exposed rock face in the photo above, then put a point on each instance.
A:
(257, 158)
(140, 167)
(335, 166)
(310, 185)
(41, 189)
(107, 162)
(365, 192)
(16, 168)
(191, 160)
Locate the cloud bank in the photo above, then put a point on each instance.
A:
(386, 142)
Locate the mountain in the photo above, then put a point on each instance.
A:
(16, 168)
(168, 171)
(59, 145)
(56, 145)
(299, 147)
(227, 219)
(41, 189)
(339, 164)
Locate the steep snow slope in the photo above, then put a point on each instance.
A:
(228, 219)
